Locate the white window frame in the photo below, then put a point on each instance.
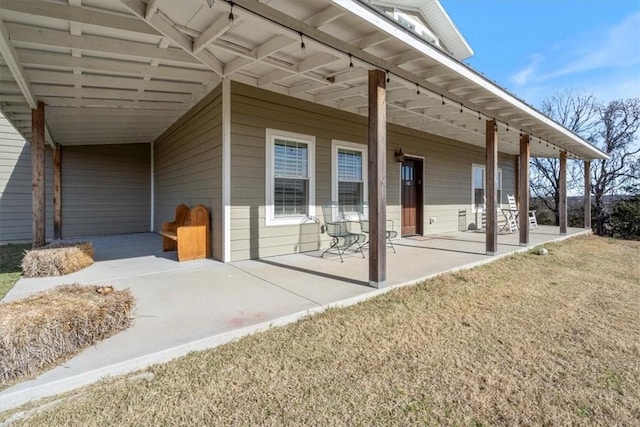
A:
(483, 206)
(336, 144)
(310, 140)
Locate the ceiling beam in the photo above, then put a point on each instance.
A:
(50, 60)
(267, 48)
(273, 76)
(67, 78)
(325, 16)
(64, 13)
(100, 104)
(8, 52)
(67, 91)
(163, 24)
(214, 32)
(25, 36)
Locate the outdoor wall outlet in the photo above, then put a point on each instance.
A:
(432, 220)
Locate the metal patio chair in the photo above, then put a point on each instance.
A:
(338, 228)
(363, 217)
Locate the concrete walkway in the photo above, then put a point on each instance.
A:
(183, 307)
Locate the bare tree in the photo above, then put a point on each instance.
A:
(615, 134)
(578, 112)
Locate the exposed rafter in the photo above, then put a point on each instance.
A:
(10, 56)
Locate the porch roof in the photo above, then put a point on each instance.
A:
(122, 71)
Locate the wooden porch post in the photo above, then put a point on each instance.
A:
(587, 194)
(377, 179)
(492, 189)
(523, 193)
(37, 175)
(57, 193)
(562, 205)
(516, 165)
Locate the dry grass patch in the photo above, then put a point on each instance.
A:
(527, 340)
(57, 259)
(44, 329)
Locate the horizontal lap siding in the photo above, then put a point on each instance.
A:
(15, 186)
(447, 169)
(252, 111)
(188, 166)
(106, 189)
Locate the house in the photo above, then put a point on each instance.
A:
(261, 111)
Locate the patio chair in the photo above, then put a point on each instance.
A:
(363, 217)
(513, 206)
(511, 217)
(338, 228)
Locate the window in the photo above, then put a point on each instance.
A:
(348, 174)
(290, 177)
(478, 180)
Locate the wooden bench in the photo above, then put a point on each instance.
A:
(189, 233)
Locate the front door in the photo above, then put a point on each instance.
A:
(411, 179)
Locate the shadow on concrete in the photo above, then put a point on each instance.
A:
(313, 272)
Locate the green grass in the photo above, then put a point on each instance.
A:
(10, 258)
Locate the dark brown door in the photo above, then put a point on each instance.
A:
(411, 178)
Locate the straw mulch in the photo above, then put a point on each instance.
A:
(44, 329)
(57, 259)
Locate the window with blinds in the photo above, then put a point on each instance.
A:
(478, 177)
(291, 178)
(350, 179)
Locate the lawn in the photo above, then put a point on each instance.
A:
(529, 339)
(10, 271)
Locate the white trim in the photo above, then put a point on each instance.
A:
(484, 181)
(226, 170)
(152, 216)
(459, 68)
(310, 140)
(337, 144)
(424, 189)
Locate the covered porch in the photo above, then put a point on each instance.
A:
(122, 72)
(183, 307)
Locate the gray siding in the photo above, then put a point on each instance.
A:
(447, 170)
(106, 189)
(15, 186)
(188, 166)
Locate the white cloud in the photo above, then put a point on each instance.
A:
(526, 75)
(617, 47)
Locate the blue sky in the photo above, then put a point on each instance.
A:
(535, 48)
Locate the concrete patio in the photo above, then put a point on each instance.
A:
(183, 307)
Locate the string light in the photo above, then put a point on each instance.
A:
(303, 47)
(388, 79)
